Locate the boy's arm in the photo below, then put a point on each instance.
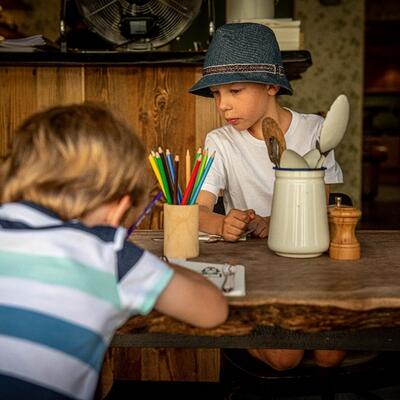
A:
(231, 226)
(259, 226)
(193, 299)
(210, 221)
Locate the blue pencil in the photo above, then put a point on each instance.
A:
(171, 170)
(194, 195)
(146, 211)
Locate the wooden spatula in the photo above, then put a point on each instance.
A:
(273, 134)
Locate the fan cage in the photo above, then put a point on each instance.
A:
(104, 18)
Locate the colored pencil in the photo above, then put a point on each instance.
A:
(188, 169)
(171, 168)
(201, 169)
(192, 179)
(164, 178)
(168, 156)
(176, 191)
(196, 192)
(145, 212)
(196, 156)
(169, 162)
(167, 171)
(157, 173)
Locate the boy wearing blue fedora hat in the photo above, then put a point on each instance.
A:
(243, 72)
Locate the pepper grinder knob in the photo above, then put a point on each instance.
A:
(342, 226)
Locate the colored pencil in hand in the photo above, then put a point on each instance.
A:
(145, 212)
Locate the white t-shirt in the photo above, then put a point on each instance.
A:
(243, 170)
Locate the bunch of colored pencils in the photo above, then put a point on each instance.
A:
(166, 169)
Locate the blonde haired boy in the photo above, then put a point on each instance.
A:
(68, 277)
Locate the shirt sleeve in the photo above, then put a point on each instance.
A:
(216, 177)
(333, 173)
(143, 280)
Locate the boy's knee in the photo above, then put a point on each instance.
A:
(280, 360)
(328, 358)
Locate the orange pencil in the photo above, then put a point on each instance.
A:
(189, 187)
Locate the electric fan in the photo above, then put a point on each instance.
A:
(138, 25)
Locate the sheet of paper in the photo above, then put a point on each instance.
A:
(215, 273)
(205, 237)
(30, 41)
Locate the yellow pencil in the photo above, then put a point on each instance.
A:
(156, 173)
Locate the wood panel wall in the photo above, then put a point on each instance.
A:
(155, 101)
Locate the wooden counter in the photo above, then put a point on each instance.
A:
(315, 303)
(307, 295)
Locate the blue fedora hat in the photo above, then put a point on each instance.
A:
(242, 52)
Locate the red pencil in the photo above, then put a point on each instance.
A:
(189, 187)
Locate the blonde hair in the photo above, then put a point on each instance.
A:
(72, 159)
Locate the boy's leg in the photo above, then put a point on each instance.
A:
(328, 358)
(279, 359)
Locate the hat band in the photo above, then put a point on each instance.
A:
(243, 68)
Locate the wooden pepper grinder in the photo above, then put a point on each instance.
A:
(342, 226)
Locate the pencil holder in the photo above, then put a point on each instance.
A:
(181, 231)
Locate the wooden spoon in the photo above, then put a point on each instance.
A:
(273, 135)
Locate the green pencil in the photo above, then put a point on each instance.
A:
(201, 169)
(196, 156)
(164, 178)
(167, 172)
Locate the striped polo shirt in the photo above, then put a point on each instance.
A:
(64, 290)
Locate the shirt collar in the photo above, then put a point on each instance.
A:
(29, 213)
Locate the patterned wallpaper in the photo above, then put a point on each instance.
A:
(335, 37)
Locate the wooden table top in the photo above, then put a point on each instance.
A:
(303, 295)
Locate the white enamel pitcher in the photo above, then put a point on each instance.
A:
(299, 220)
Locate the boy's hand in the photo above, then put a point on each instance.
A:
(259, 226)
(236, 223)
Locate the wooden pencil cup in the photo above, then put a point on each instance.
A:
(342, 225)
(181, 231)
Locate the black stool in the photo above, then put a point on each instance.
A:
(245, 378)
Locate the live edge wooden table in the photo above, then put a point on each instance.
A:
(311, 303)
